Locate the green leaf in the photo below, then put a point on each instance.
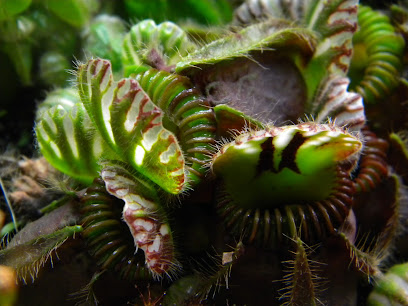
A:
(391, 289)
(69, 142)
(74, 12)
(104, 37)
(257, 37)
(9, 8)
(378, 56)
(64, 97)
(20, 55)
(53, 68)
(230, 119)
(207, 12)
(16, 41)
(335, 102)
(336, 22)
(131, 124)
(27, 258)
(148, 44)
(301, 281)
(333, 22)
